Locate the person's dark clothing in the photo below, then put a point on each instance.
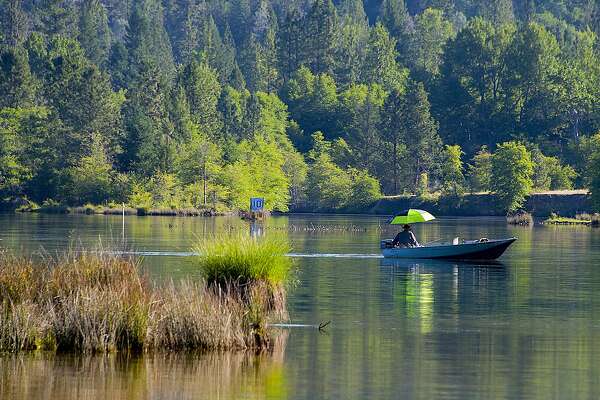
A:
(405, 239)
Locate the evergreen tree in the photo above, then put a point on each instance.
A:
(432, 31)
(240, 21)
(350, 49)
(362, 105)
(56, 17)
(353, 10)
(147, 41)
(17, 85)
(94, 33)
(380, 61)
(498, 11)
(394, 16)
(291, 45)
(421, 137)
(392, 132)
(14, 23)
(149, 145)
(203, 90)
(91, 178)
(232, 106)
(321, 27)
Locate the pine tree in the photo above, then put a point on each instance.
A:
(350, 51)
(291, 45)
(240, 21)
(17, 85)
(14, 23)
(498, 11)
(94, 33)
(421, 137)
(203, 91)
(394, 16)
(56, 17)
(232, 105)
(321, 27)
(392, 134)
(147, 41)
(380, 62)
(354, 10)
(149, 145)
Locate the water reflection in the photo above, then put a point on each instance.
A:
(159, 376)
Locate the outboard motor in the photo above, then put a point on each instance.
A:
(386, 243)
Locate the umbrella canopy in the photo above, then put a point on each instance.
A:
(411, 217)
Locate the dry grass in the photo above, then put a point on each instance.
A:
(520, 218)
(100, 302)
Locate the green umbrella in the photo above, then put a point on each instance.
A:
(411, 217)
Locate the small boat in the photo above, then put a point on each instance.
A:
(482, 249)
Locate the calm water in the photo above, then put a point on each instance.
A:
(527, 328)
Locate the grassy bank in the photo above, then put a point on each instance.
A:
(100, 302)
(580, 219)
(90, 209)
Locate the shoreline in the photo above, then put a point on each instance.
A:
(543, 204)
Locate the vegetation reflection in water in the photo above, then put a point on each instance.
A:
(221, 375)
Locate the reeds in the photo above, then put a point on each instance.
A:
(520, 218)
(593, 219)
(100, 302)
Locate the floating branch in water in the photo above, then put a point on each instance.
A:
(321, 326)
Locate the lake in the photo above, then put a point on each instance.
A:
(525, 328)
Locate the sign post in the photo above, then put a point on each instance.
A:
(257, 204)
(257, 209)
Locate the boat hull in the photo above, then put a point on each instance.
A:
(486, 250)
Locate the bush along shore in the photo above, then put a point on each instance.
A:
(580, 219)
(100, 302)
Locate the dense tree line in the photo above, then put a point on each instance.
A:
(309, 103)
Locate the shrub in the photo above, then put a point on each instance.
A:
(365, 189)
(520, 218)
(512, 172)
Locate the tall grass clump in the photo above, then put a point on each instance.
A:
(254, 270)
(243, 260)
(521, 218)
(97, 301)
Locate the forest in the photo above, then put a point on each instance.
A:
(312, 104)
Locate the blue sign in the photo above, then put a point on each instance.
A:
(257, 204)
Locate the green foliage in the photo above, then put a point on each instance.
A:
(13, 170)
(244, 260)
(208, 93)
(92, 178)
(550, 174)
(593, 172)
(259, 173)
(512, 172)
(365, 189)
(140, 197)
(329, 187)
(480, 171)
(432, 31)
(452, 171)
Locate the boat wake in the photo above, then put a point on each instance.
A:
(293, 255)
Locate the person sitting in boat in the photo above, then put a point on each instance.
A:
(405, 238)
